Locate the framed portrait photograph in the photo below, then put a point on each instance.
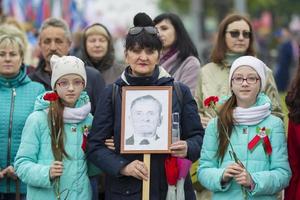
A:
(146, 119)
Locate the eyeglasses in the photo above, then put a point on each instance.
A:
(239, 80)
(236, 34)
(149, 29)
(66, 84)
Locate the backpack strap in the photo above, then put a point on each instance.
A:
(178, 93)
(115, 91)
(114, 94)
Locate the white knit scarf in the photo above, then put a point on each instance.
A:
(251, 116)
(76, 115)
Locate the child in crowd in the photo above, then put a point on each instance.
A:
(244, 150)
(51, 159)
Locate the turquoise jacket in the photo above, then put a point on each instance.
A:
(17, 97)
(269, 173)
(35, 156)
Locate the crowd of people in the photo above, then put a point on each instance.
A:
(62, 122)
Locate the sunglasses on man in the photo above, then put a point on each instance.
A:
(149, 29)
(236, 34)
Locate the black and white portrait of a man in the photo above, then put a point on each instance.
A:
(146, 126)
(146, 117)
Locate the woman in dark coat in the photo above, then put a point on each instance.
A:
(125, 172)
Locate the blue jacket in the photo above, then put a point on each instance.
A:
(284, 65)
(107, 123)
(17, 97)
(269, 173)
(35, 156)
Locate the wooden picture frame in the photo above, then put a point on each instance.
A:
(146, 119)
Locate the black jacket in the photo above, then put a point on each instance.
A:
(94, 87)
(107, 123)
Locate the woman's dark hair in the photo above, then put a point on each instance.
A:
(225, 123)
(220, 48)
(143, 39)
(292, 99)
(183, 42)
(108, 59)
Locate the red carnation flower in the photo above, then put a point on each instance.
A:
(211, 100)
(51, 96)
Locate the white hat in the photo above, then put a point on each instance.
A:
(258, 65)
(66, 65)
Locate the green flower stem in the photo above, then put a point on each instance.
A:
(56, 188)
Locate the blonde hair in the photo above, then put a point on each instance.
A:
(96, 29)
(12, 40)
(9, 29)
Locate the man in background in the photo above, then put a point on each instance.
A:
(55, 38)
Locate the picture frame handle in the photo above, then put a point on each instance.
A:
(146, 184)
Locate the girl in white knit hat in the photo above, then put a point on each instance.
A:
(51, 159)
(244, 154)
